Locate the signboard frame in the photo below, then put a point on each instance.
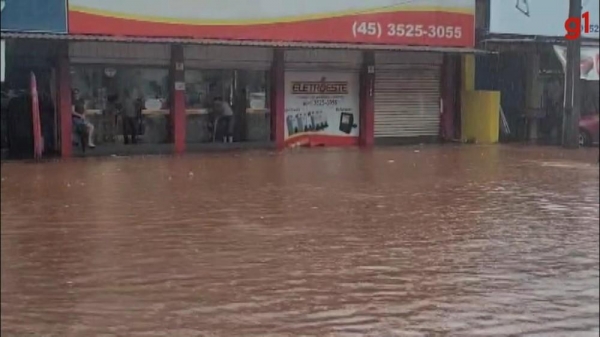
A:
(35, 16)
(440, 23)
(538, 17)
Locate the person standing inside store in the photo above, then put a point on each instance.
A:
(225, 113)
(129, 114)
(78, 115)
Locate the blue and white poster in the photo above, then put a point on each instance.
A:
(34, 16)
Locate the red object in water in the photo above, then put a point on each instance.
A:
(38, 144)
(589, 129)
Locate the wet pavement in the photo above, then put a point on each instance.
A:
(430, 241)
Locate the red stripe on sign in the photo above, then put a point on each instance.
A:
(441, 29)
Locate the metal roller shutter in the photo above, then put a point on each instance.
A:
(407, 101)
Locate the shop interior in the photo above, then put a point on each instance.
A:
(102, 89)
(245, 91)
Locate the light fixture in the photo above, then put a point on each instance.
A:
(110, 72)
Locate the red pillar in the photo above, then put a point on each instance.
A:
(367, 100)
(64, 101)
(177, 84)
(278, 99)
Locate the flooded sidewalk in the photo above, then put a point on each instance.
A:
(409, 241)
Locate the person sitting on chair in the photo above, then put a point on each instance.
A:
(224, 111)
(79, 120)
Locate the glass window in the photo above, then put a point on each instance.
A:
(97, 83)
(149, 83)
(204, 85)
(88, 81)
(256, 87)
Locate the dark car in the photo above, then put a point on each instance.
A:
(589, 129)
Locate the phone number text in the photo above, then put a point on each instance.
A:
(377, 29)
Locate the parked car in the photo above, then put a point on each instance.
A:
(588, 129)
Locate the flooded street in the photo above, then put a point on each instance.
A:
(410, 241)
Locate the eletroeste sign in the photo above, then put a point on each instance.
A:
(538, 17)
(43, 16)
(415, 22)
(321, 108)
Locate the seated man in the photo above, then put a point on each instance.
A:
(79, 120)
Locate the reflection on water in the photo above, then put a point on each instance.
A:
(430, 241)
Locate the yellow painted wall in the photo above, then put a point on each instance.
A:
(468, 72)
(480, 119)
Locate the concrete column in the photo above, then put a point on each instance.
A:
(534, 92)
(63, 77)
(278, 98)
(449, 84)
(367, 100)
(177, 84)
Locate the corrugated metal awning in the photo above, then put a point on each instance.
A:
(103, 38)
(534, 40)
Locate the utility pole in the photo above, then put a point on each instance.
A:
(572, 103)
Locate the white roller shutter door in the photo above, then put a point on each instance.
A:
(407, 95)
(407, 103)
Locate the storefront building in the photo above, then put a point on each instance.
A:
(529, 66)
(324, 74)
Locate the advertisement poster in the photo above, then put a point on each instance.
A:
(538, 17)
(415, 22)
(35, 16)
(589, 66)
(321, 109)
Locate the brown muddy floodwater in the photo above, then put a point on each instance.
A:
(429, 241)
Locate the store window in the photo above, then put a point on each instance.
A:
(97, 83)
(102, 89)
(256, 85)
(246, 91)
